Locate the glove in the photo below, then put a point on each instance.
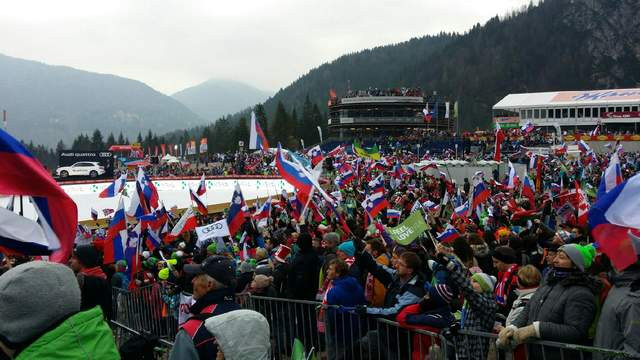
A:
(504, 337)
(526, 332)
(360, 310)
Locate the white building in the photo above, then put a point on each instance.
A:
(616, 109)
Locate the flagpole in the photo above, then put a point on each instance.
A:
(304, 210)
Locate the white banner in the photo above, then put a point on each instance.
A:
(217, 229)
(183, 310)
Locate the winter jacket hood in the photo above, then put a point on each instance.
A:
(241, 335)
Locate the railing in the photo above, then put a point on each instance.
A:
(335, 332)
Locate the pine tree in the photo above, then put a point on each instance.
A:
(111, 140)
(241, 132)
(139, 139)
(121, 140)
(222, 136)
(60, 147)
(97, 142)
(317, 121)
(293, 125)
(305, 126)
(280, 130)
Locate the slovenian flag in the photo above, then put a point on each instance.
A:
(527, 128)
(448, 235)
(116, 240)
(148, 189)
(257, 140)
(611, 177)
(377, 184)
(237, 211)
(115, 187)
(513, 177)
(154, 240)
(480, 194)
(612, 217)
(583, 147)
(202, 187)
(528, 191)
(393, 214)
(293, 173)
(344, 179)
(398, 171)
(462, 210)
(336, 151)
(202, 208)
(374, 203)
(262, 215)
(23, 174)
(316, 155)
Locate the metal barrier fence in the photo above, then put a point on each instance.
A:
(337, 333)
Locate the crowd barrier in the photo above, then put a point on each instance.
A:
(334, 332)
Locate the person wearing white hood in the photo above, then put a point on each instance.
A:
(241, 335)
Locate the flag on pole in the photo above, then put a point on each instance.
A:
(116, 240)
(115, 187)
(374, 203)
(237, 211)
(513, 177)
(186, 223)
(611, 177)
(202, 187)
(257, 140)
(448, 235)
(499, 139)
(23, 174)
(94, 214)
(202, 208)
(316, 155)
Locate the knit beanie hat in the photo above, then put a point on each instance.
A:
(486, 281)
(581, 256)
(348, 248)
(505, 254)
(35, 296)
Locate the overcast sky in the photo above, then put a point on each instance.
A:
(174, 44)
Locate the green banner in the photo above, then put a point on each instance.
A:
(409, 230)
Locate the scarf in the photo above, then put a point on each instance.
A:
(507, 280)
(558, 274)
(95, 272)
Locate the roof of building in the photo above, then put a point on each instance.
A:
(566, 98)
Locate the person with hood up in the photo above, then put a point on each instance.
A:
(95, 288)
(213, 292)
(240, 335)
(562, 309)
(619, 323)
(40, 316)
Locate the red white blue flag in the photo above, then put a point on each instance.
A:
(237, 211)
(202, 187)
(257, 140)
(316, 155)
(116, 240)
(22, 174)
(374, 203)
(202, 208)
(115, 187)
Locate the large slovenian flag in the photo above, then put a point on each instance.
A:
(611, 177)
(612, 217)
(257, 140)
(316, 155)
(116, 240)
(22, 174)
(293, 173)
(374, 203)
(202, 187)
(115, 187)
(377, 185)
(237, 211)
(202, 208)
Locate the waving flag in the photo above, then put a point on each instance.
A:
(499, 139)
(393, 214)
(596, 131)
(138, 206)
(448, 235)
(94, 214)
(202, 208)
(116, 240)
(336, 151)
(22, 174)
(372, 152)
(374, 203)
(583, 147)
(377, 184)
(316, 155)
(154, 240)
(262, 215)
(293, 173)
(257, 140)
(398, 171)
(611, 177)
(612, 217)
(148, 189)
(428, 166)
(202, 187)
(461, 211)
(186, 223)
(528, 191)
(343, 180)
(237, 211)
(527, 128)
(480, 194)
(115, 187)
(86, 233)
(427, 115)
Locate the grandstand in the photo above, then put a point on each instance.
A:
(616, 110)
(374, 112)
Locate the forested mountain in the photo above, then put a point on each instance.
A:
(215, 98)
(556, 45)
(47, 103)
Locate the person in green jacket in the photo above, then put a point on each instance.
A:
(40, 316)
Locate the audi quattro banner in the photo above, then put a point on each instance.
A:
(217, 229)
